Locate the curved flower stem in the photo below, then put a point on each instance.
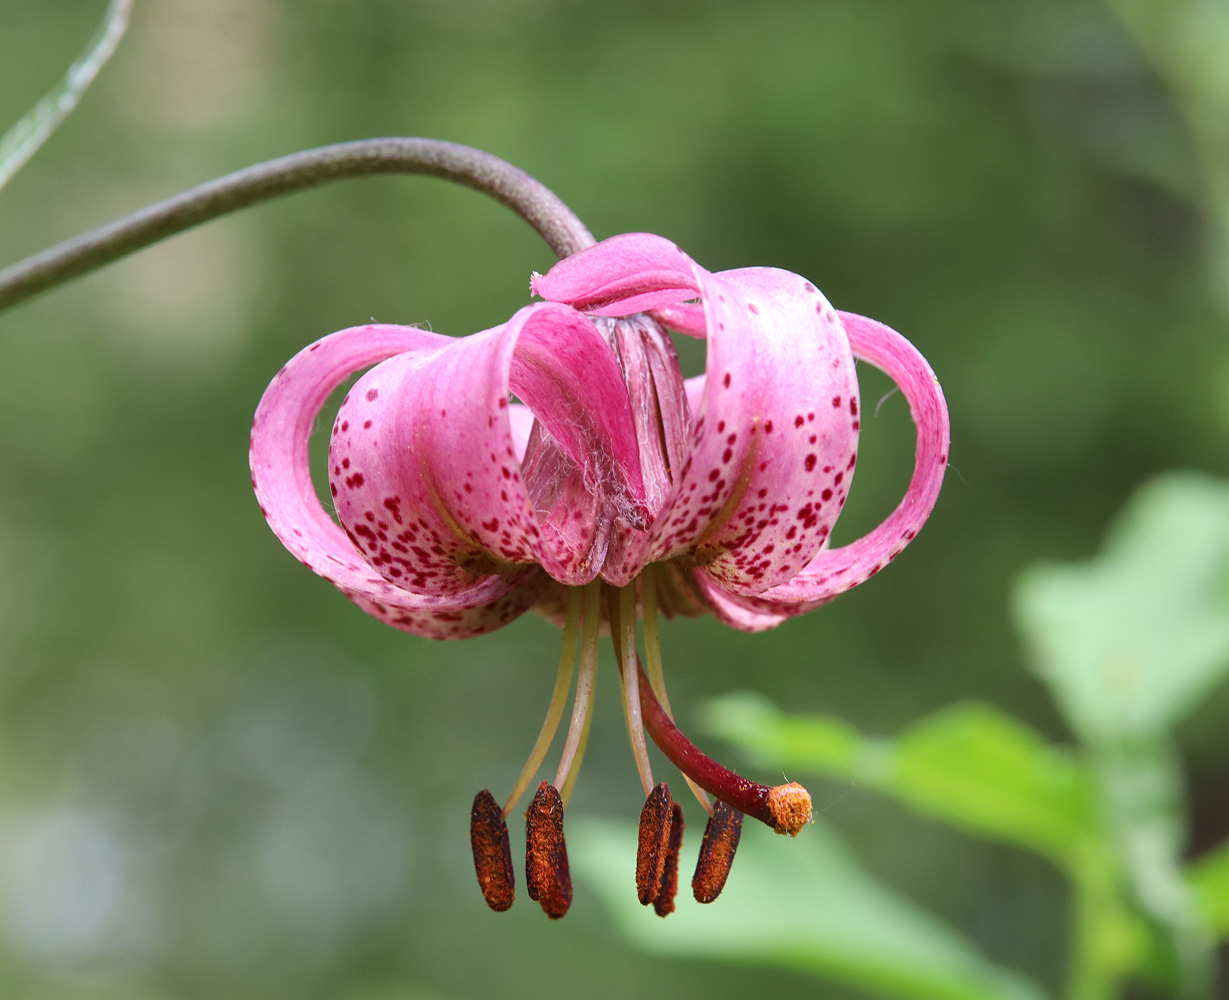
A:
(529, 198)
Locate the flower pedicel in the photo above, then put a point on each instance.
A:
(561, 463)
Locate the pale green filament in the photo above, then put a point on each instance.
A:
(563, 679)
(629, 673)
(582, 707)
(652, 654)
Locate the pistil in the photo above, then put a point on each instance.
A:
(652, 656)
(786, 808)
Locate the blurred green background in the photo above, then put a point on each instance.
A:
(220, 779)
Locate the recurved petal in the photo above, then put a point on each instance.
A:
(833, 571)
(747, 614)
(625, 274)
(775, 433)
(427, 472)
(281, 478)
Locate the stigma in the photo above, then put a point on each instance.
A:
(785, 808)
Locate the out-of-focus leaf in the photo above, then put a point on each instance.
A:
(24, 138)
(1209, 878)
(970, 765)
(1131, 640)
(978, 767)
(806, 905)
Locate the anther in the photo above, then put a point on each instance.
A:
(721, 835)
(547, 876)
(488, 836)
(654, 842)
(664, 902)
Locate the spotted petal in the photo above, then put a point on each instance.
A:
(775, 430)
(282, 480)
(425, 466)
(833, 571)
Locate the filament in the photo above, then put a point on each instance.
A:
(582, 707)
(652, 655)
(629, 674)
(563, 679)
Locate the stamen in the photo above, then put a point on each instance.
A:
(664, 903)
(721, 835)
(623, 631)
(567, 660)
(546, 854)
(652, 655)
(786, 808)
(582, 708)
(488, 836)
(655, 821)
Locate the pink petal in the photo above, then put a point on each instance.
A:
(775, 433)
(834, 571)
(425, 466)
(683, 318)
(747, 614)
(625, 274)
(282, 480)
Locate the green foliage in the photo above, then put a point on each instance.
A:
(1209, 878)
(1130, 642)
(807, 906)
(970, 765)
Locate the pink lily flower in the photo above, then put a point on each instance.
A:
(561, 463)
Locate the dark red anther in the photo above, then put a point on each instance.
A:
(664, 902)
(488, 836)
(655, 820)
(546, 855)
(721, 835)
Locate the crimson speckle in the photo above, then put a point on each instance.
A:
(372, 394)
(810, 465)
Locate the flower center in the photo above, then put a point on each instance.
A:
(786, 808)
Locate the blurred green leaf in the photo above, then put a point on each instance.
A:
(806, 905)
(970, 765)
(1128, 643)
(1209, 878)
(1131, 640)
(978, 767)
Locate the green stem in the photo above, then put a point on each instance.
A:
(529, 198)
(1095, 970)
